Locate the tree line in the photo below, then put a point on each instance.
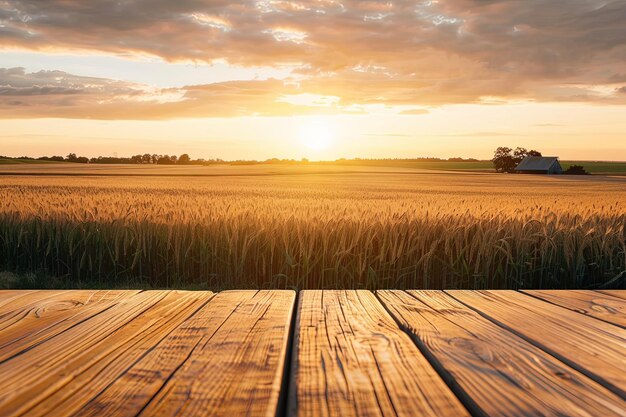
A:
(185, 159)
(146, 158)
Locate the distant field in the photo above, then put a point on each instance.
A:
(346, 227)
(481, 165)
(70, 169)
(5, 161)
(592, 167)
(28, 166)
(599, 167)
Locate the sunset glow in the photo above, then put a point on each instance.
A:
(316, 134)
(379, 78)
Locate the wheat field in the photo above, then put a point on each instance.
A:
(327, 230)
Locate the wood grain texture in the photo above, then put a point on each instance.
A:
(31, 376)
(36, 376)
(102, 364)
(589, 345)
(140, 382)
(497, 373)
(615, 293)
(350, 358)
(9, 298)
(590, 303)
(12, 305)
(182, 353)
(235, 368)
(36, 322)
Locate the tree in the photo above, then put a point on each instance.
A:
(166, 160)
(520, 153)
(506, 159)
(503, 160)
(51, 158)
(184, 159)
(71, 157)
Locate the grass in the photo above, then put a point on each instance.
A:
(337, 230)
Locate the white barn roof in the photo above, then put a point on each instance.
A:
(537, 163)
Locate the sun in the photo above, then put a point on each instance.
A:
(316, 134)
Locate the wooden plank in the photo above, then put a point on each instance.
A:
(9, 294)
(350, 358)
(107, 361)
(38, 322)
(615, 293)
(229, 360)
(38, 373)
(8, 297)
(44, 304)
(135, 386)
(43, 309)
(591, 303)
(495, 372)
(591, 346)
(14, 304)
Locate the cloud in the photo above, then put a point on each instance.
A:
(363, 52)
(16, 82)
(59, 94)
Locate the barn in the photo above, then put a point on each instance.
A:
(539, 165)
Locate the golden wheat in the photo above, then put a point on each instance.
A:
(317, 231)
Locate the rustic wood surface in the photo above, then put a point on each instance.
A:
(592, 303)
(239, 368)
(37, 321)
(593, 347)
(615, 293)
(328, 353)
(351, 359)
(108, 360)
(497, 373)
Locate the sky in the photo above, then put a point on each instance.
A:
(320, 79)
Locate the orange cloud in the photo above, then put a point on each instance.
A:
(391, 53)
(59, 94)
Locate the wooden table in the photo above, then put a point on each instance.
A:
(326, 353)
